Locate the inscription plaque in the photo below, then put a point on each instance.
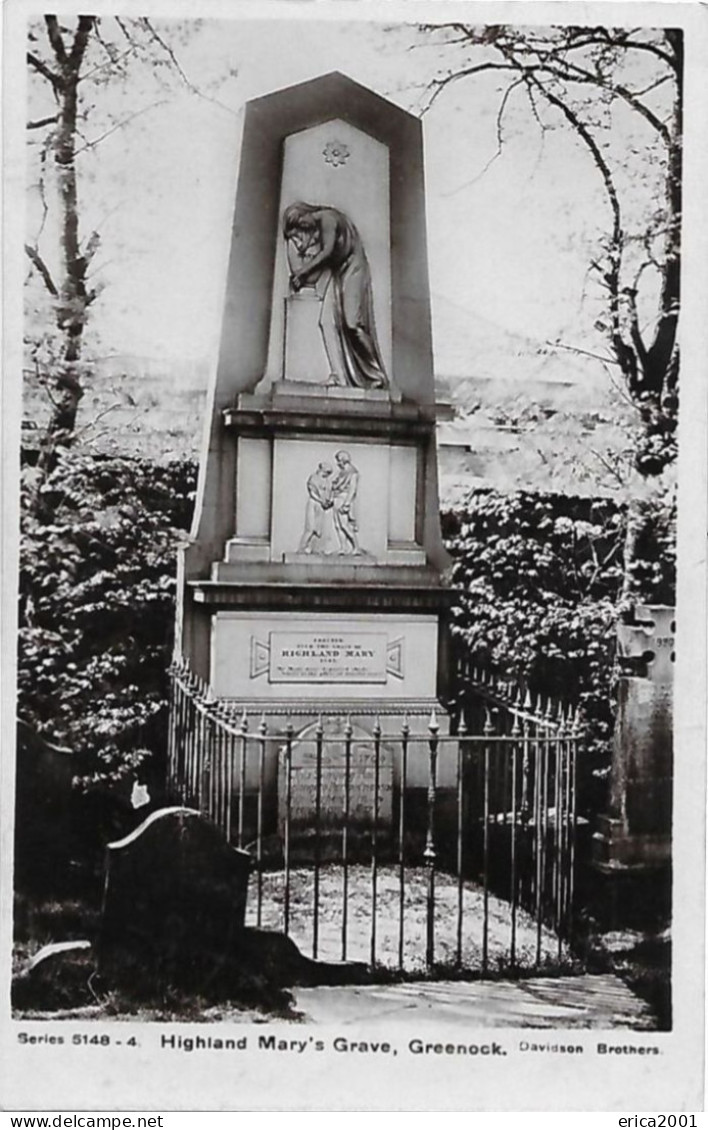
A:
(313, 657)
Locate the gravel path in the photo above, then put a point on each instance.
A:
(359, 905)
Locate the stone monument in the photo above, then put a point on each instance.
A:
(313, 581)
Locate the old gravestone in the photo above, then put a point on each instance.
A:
(633, 842)
(43, 825)
(174, 919)
(313, 582)
(174, 903)
(368, 799)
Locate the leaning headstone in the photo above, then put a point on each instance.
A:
(174, 903)
(58, 976)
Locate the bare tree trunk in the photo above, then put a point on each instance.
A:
(63, 50)
(72, 297)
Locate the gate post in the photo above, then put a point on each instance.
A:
(429, 854)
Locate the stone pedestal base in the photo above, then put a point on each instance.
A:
(635, 833)
(631, 847)
(305, 356)
(308, 388)
(616, 849)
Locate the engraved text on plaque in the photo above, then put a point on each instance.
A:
(311, 657)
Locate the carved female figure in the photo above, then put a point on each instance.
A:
(319, 500)
(322, 240)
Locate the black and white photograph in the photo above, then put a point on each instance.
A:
(354, 510)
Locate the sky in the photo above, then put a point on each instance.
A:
(505, 232)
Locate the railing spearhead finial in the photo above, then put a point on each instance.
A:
(559, 718)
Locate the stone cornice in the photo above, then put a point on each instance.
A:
(379, 419)
(321, 597)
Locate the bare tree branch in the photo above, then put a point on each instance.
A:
(652, 86)
(609, 466)
(584, 133)
(92, 245)
(498, 151)
(439, 84)
(582, 352)
(168, 51)
(55, 39)
(83, 31)
(119, 125)
(40, 122)
(180, 71)
(634, 329)
(99, 416)
(41, 68)
(124, 29)
(652, 49)
(37, 261)
(569, 71)
(110, 62)
(41, 185)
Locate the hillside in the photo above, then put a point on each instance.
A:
(524, 414)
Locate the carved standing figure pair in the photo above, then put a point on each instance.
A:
(331, 526)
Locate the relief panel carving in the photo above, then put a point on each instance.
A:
(331, 523)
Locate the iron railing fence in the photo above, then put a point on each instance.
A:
(480, 690)
(406, 849)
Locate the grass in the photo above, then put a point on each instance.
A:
(534, 948)
(642, 961)
(39, 921)
(71, 986)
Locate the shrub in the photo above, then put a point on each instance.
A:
(538, 578)
(97, 580)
